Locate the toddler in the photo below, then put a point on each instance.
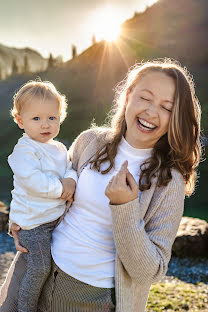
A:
(43, 181)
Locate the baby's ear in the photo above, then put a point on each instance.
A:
(19, 121)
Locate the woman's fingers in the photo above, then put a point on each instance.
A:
(120, 178)
(107, 190)
(15, 229)
(131, 181)
(19, 247)
(123, 168)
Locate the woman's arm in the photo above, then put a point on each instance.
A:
(144, 245)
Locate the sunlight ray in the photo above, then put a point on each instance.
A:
(100, 66)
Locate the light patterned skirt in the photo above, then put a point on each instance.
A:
(63, 293)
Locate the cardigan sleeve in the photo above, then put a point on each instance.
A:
(144, 247)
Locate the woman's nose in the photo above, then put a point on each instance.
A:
(152, 110)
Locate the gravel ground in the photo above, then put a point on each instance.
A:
(189, 270)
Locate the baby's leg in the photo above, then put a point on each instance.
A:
(37, 241)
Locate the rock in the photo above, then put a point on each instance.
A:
(4, 216)
(192, 238)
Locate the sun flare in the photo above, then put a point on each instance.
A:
(106, 24)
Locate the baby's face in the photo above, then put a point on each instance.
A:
(40, 119)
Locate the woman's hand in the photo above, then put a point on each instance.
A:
(122, 188)
(15, 228)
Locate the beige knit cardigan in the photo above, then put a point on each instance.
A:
(144, 230)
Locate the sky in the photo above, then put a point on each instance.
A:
(52, 26)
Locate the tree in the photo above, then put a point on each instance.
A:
(14, 67)
(26, 68)
(74, 51)
(59, 61)
(93, 39)
(50, 61)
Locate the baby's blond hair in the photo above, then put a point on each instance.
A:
(44, 90)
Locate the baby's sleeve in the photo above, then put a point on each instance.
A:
(26, 167)
(70, 172)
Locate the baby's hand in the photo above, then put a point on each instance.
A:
(69, 186)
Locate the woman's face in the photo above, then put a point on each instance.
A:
(148, 110)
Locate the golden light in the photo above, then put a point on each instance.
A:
(106, 24)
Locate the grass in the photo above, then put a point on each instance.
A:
(178, 296)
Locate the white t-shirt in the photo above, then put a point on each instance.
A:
(37, 169)
(83, 244)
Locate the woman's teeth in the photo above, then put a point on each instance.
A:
(146, 124)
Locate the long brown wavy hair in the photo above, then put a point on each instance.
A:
(179, 148)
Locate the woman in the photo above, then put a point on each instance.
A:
(124, 239)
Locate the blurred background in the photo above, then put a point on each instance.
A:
(85, 48)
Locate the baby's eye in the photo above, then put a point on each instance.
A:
(36, 118)
(52, 118)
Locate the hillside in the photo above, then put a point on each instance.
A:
(35, 61)
(175, 29)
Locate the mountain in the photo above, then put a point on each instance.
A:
(175, 29)
(7, 55)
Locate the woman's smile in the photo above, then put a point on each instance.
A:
(145, 126)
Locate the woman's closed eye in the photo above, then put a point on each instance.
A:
(167, 109)
(144, 98)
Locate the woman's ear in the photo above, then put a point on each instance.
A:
(19, 121)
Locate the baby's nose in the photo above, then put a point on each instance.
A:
(45, 124)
